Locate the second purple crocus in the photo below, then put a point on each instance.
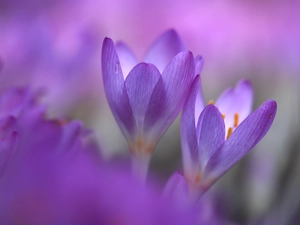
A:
(214, 138)
(146, 97)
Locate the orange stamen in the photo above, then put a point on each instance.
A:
(223, 116)
(236, 120)
(211, 102)
(229, 132)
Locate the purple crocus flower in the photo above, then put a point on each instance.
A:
(216, 138)
(146, 97)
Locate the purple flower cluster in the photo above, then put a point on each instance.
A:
(148, 96)
(52, 172)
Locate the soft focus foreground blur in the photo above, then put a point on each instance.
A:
(55, 47)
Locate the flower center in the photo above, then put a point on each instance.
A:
(235, 124)
(140, 146)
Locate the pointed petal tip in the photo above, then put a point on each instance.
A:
(186, 56)
(271, 102)
(107, 46)
(199, 58)
(210, 107)
(121, 44)
(184, 59)
(196, 80)
(185, 53)
(199, 62)
(245, 82)
(171, 33)
(164, 48)
(107, 40)
(147, 66)
(270, 105)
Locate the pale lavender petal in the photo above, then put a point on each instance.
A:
(113, 82)
(236, 100)
(163, 49)
(199, 61)
(177, 79)
(140, 84)
(189, 141)
(242, 140)
(210, 132)
(177, 190)
(127, 58)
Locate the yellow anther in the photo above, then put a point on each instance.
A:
(229, 132)
(223, 116)
(236, 120)
(211, 102)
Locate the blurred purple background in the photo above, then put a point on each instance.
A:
(55, 46)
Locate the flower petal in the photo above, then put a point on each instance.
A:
(163, 49)
(243, 139)
(210, 132)
(156, 106)
(177, 190)
(140, 84)
(113, 81)
(189, 143)
(177, 79)
(112, 73)
(199, 61)
(127, 58)
(236, 100)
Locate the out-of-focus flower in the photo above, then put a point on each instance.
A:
(50, 174)
(24, 128)
(52, 48)
(145, 98)
(209, 209)
(77, 191)
(211, 145)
